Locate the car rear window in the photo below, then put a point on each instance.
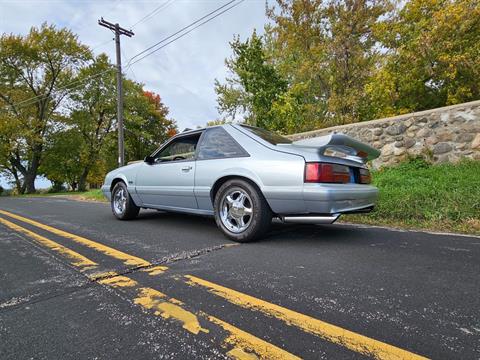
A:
(269, 136)
(216, 143)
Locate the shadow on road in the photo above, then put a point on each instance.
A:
(304, 234)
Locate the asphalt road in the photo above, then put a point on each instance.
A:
(76, 283)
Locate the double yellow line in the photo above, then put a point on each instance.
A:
(243, 345)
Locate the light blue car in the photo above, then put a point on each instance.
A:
(244, 176)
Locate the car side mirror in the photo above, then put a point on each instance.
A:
(149, 159)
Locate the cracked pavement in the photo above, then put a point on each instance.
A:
(411, 291)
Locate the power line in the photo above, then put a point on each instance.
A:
(101, 44)
(127, 68)
(185, 28)
(186, 33)
(153, 13)
(37, 98)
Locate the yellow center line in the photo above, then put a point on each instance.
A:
(245, 346)
(245, 341)
(335, 334)
(332, 333)
(117, 254)
(76, 258)
(168, 308)
(155, 270)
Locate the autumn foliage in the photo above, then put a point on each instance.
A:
(322, 63)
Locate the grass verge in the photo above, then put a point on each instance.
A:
(418, 195)
(91, 195)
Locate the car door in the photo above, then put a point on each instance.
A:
(167, 180)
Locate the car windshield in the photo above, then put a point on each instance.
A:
(269, 136)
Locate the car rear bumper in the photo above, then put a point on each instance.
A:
(322, 199)
(338, 198)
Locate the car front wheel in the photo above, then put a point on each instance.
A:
(241, 211)
(123, 206)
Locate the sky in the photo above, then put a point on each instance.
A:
(183, 73)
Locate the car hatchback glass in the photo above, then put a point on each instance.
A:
(268, 136)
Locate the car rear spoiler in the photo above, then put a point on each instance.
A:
(353, 149)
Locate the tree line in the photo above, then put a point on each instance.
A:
(58, 112)
(321, 63)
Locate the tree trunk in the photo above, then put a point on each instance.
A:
(82, 181)
(31, 174)
(73, 185)
(20, 187)
(29, 183)
(18, 182)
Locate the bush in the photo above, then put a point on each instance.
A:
(1, 190)
(57, 187)
(419, 194)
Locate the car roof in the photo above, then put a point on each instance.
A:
(193, 131)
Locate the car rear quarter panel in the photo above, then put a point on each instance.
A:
(278, 175)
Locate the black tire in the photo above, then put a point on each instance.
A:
(261, 215)
(130, 210)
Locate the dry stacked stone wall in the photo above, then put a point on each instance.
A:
(445, 134)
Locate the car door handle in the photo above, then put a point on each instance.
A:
(186, 168)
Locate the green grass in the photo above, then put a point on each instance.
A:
(416, 194)
(92, 195)
(95, 195)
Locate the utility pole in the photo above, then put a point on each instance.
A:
(118, 31)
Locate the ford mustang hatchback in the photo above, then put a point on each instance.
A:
(244, 176)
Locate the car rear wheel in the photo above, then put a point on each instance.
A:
(241, 211)
(123, 206)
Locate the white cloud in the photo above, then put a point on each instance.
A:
(182, 73)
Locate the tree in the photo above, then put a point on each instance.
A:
(35, 71)
(254, 84)
(432, 60)
(352, 54)
(93, 113)
(310, 68)
(63, 158)
(147, 123)
(328, 51)
(296, 42)
(8, 130)
(217, 122)
(86, 148)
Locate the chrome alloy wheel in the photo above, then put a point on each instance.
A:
(120, 201)
(236, 211)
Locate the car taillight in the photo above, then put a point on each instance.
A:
(365, 177)
(326, 173)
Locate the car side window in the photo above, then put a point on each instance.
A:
(217, 144)
(180, 149)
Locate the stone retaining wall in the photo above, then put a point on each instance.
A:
(444, 134)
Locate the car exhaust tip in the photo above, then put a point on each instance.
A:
(310, 219)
